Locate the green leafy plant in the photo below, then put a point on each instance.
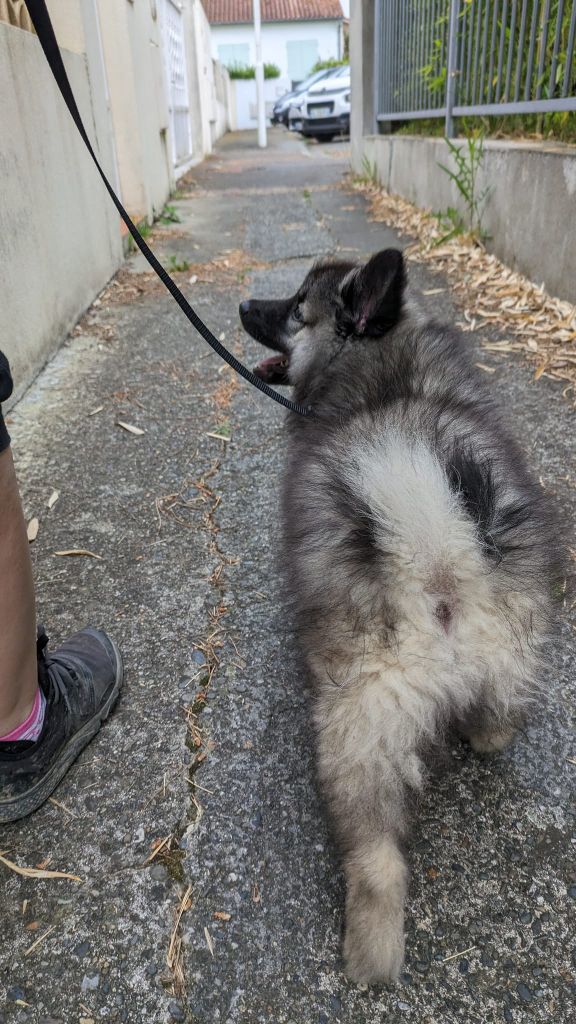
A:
(177, 266)
(324, 65)
(169, 215)
(468, 159)
(245, 71)
(369, 175)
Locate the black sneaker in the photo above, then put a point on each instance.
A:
(81, 682)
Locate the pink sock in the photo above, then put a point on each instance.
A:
(32, 727)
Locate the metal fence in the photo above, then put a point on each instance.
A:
(448, 58)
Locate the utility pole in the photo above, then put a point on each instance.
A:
(259, 78)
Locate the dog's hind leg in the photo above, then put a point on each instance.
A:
(366, 765)
(492, 724)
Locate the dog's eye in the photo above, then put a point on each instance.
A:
(297, 314)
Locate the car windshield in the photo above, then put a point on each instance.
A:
(335, 81)
(305, 85)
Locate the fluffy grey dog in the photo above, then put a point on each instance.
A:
(421, 556)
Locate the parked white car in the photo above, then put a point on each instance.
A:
(282, 106)
(298, 100)
(324, 111)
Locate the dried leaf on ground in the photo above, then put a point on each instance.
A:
(131, 428)
(32, 529)
(53, 499)
(36, 872)
(78, 553)
(209, 942)
(39, 940)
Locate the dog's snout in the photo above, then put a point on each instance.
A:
(245, 307)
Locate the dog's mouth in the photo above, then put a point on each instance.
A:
(273, 369)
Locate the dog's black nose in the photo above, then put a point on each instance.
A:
(245, 307)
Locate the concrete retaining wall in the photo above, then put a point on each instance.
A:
(530, 214)
(59, 233)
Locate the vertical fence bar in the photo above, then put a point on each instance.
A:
(468, 28)
(478, 31)
(482, 87)
(445, 15)
(511, 50)
(556, 50)
(419, 49)
(569, 52)
(503, 26)
(412, 61)
(390, 27)
(493, 49)
(543, 44)
(425, 56)
(377, 66)
(399, 92)
(384, 32)
(414, 54)
(520, 58)
(405, 11)
(447, 41)
(532, 47)
(452, 67)
(461, 53)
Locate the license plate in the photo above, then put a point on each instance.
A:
(320, 111)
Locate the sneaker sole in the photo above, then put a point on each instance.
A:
(27, 803)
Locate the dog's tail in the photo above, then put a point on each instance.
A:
(458, 536)
(421, 526)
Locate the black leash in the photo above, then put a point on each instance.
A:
(45, 32)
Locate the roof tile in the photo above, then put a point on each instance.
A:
(239, 12)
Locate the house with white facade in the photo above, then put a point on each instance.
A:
(295, 35)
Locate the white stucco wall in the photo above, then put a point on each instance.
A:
(211, 115)
(276, 40)
(59, 233)
(245, 106)
(131, 43)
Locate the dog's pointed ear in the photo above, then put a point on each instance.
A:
(372, 294)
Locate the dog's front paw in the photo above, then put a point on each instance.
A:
(373, 944)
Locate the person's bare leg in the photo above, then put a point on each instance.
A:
(18, 664)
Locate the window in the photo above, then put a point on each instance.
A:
(234, 53)
(302, 57)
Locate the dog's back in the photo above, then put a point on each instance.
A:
(416, 523)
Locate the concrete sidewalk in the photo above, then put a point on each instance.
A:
(209, 752)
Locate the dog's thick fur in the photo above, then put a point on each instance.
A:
(421, 557)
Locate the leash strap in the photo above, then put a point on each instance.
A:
(45, 32)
